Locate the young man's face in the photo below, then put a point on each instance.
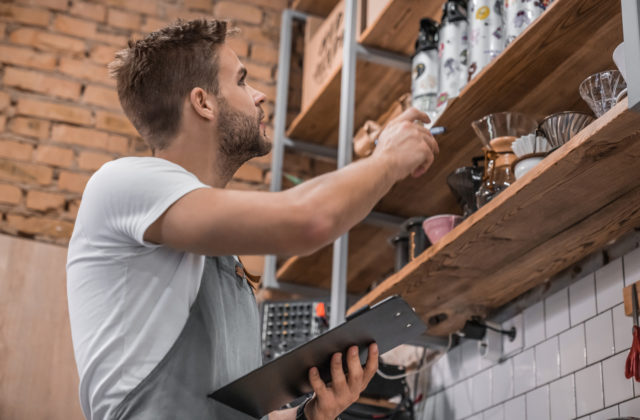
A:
(240, 117)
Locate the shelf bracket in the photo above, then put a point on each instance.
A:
(311, 148)
(384, 220)
(385, 58)
(631, 32)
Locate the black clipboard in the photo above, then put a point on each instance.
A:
(389, 323)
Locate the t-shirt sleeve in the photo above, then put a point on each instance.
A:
(124, 197)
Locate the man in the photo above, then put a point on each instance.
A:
(161, 312)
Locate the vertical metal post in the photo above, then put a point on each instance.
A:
(631, 31)
(345, 147)
(280, 121)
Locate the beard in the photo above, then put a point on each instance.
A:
(240, 136)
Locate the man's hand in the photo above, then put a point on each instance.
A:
(331, 400)
(408, 146)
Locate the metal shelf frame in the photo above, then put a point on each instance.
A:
(351, 51)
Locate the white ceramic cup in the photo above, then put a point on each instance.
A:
(525, 165)
(618, 58)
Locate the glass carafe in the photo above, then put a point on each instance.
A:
(502, 174)
(498, 173)
(485, 192)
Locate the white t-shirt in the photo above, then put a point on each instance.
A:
(128, 299)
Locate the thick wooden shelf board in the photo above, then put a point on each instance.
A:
(370, 260)
(377, 86)
(538, 74)
(315, 7)
(580, 197)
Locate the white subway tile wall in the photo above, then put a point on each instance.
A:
(524, 372)
(562, 398)
(606, 414)
(556, 310)
(481, 385)
(630, 408)
(462, 397)
(547, 357)
(599, 337)
(502, 382)
(538, 404)
(617, 388)
(589, 393)
(582, 300)
(566, 362)
(573, 351)
(534, 324)
(495, 413)
(609, 282)
(515, 409)
(622, 329)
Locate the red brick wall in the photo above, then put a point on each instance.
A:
(60, 118)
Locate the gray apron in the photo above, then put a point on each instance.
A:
(219, 343)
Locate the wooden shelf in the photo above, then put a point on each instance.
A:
(370, 260)
(539, 74)
(575, 201)
(315, 7)
(377, 86)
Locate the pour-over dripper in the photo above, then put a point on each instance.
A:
(601, 90)
(503, 124)
(561, 127)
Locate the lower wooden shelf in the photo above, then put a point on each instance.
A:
(575, 201)
(367, 262)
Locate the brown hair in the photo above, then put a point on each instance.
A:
(155, 74)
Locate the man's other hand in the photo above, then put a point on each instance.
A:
(407, 145)
(331, 400)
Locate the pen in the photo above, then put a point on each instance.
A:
(435, 131)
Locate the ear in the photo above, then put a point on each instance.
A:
(203, 103)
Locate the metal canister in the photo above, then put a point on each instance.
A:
(452, 51)
(425, 68)
(521, 13)
(400, 243)
(486, 33)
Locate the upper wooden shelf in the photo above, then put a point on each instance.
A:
(538, 74)
(575, 201)
(315, 7)
(377, 86)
